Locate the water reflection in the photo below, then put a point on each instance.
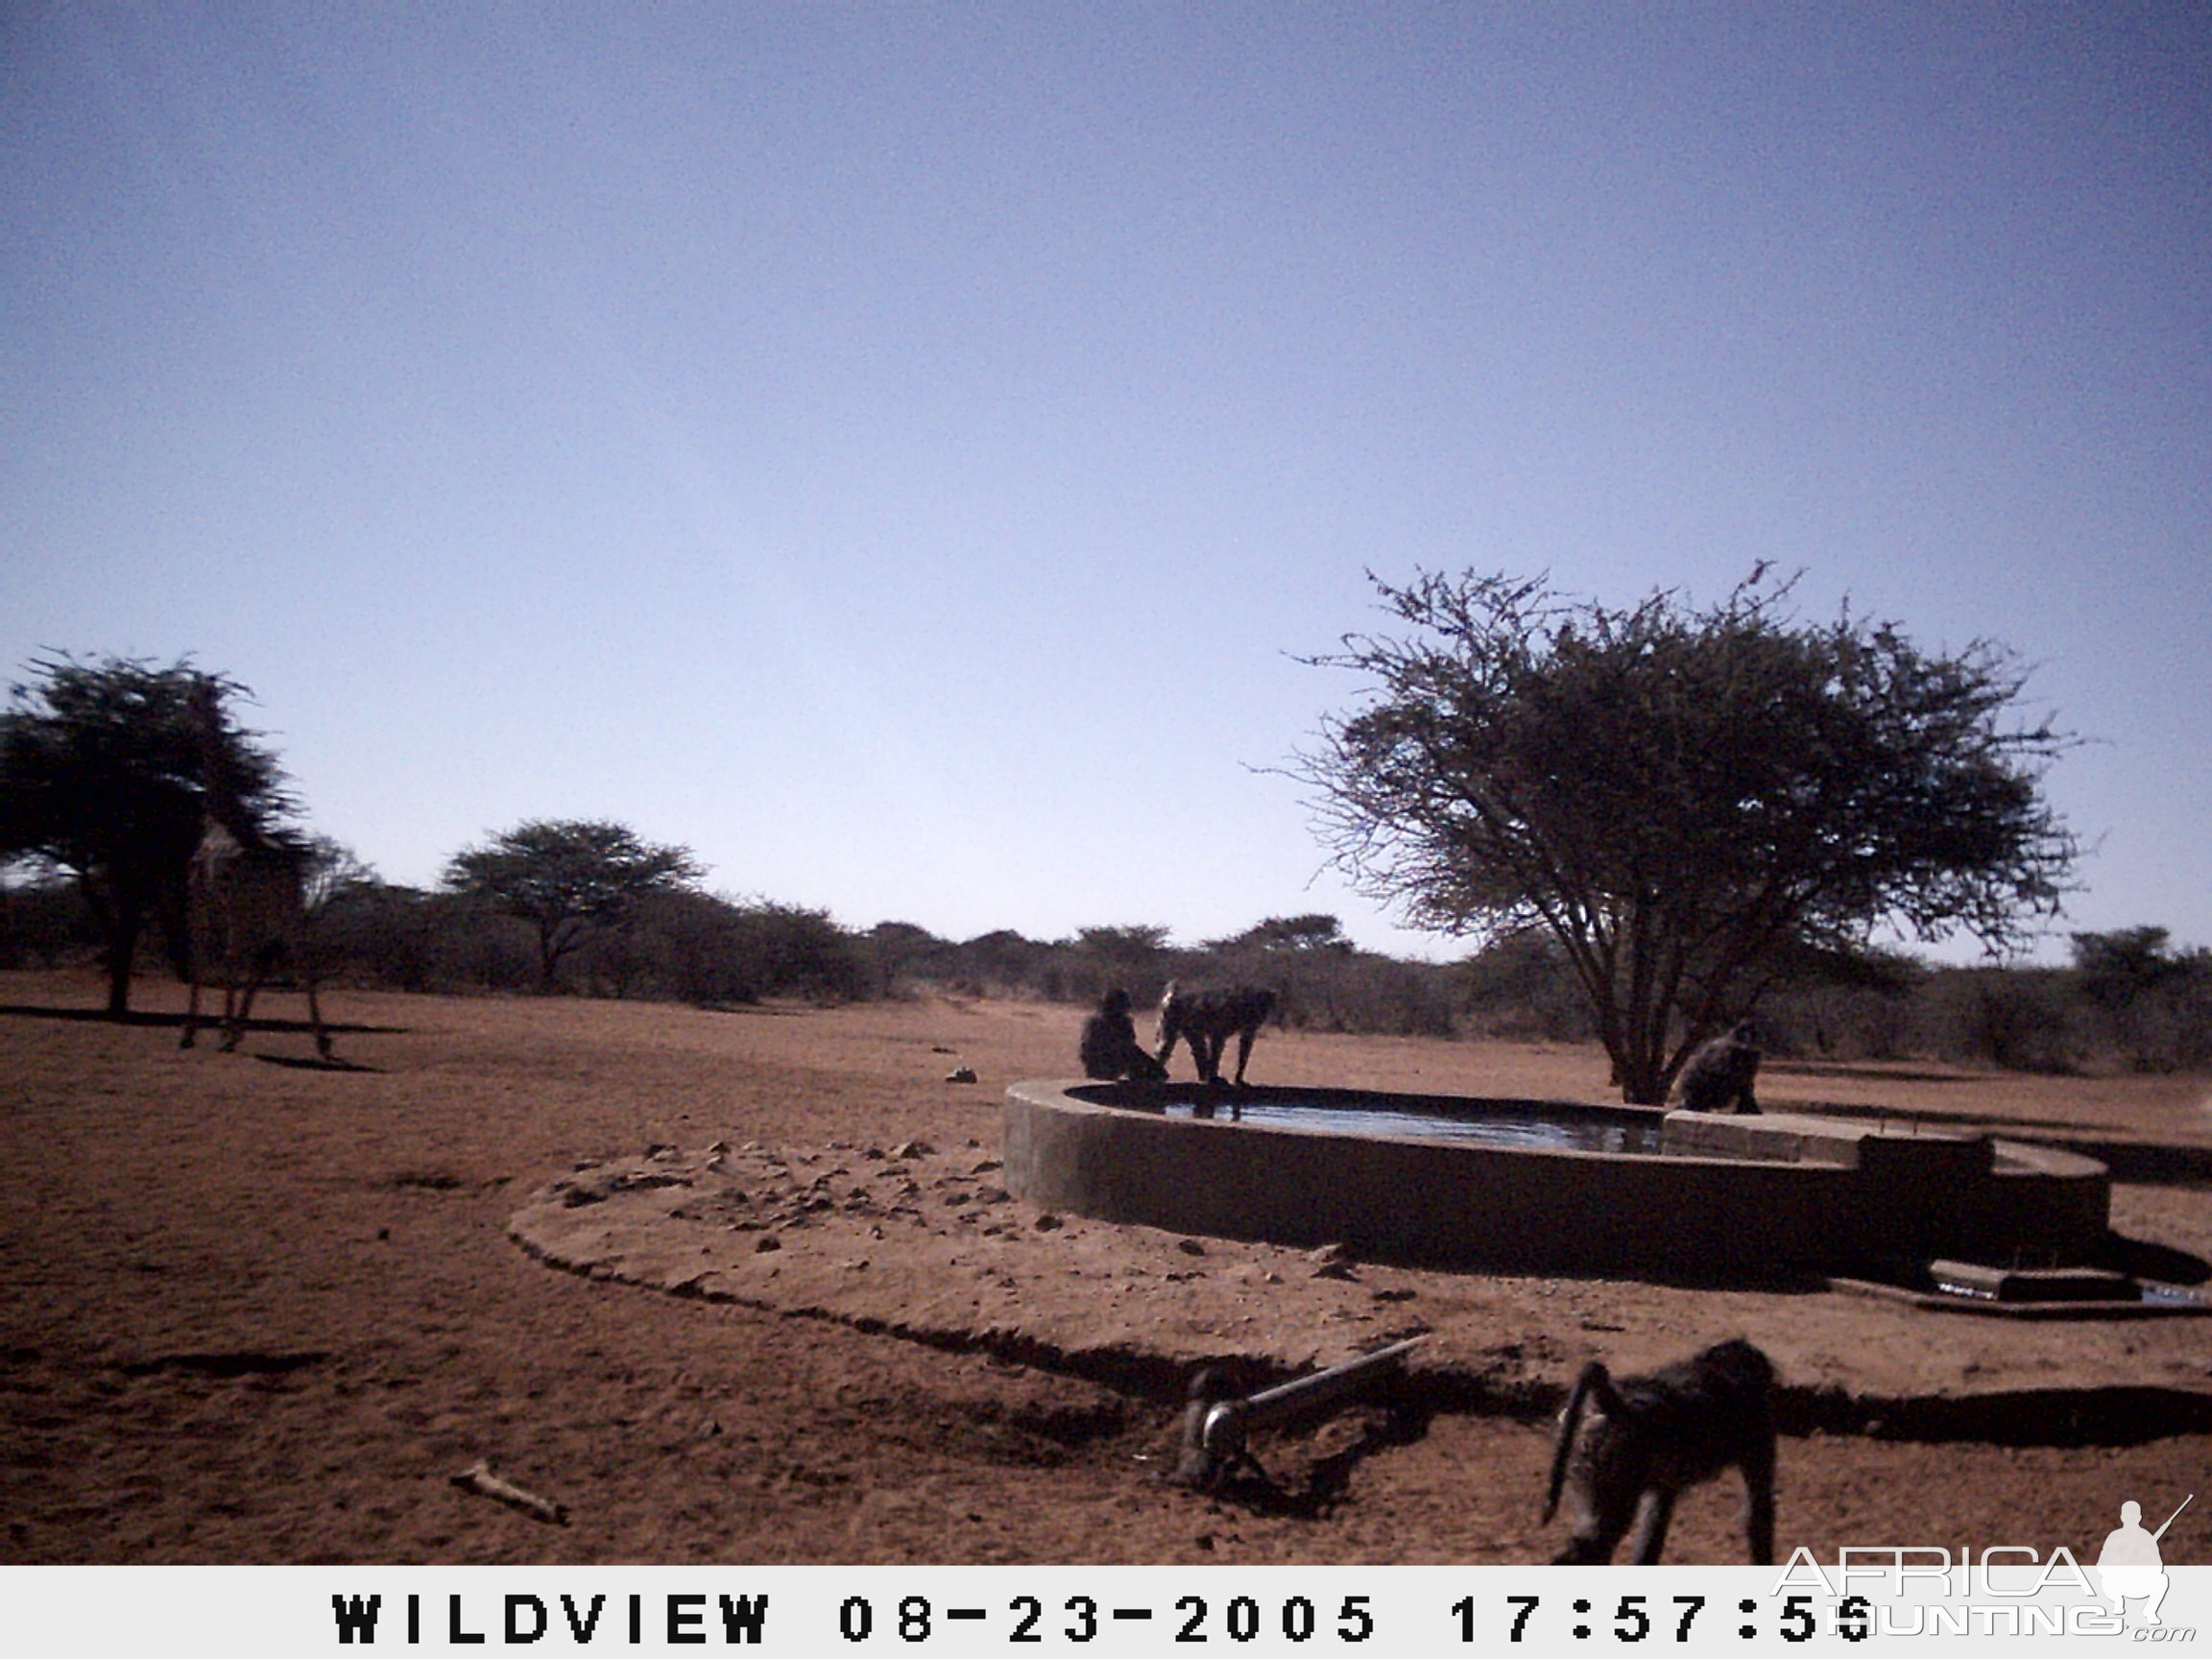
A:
(1521, 1126)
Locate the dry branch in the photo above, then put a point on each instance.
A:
(478, 1479)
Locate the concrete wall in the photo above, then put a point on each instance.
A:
(1461, 1205)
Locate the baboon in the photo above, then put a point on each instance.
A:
(1205, 1020)
(1719, 1074)
(1109, 1048)
(1645, 1440)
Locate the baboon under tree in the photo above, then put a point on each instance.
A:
(1645, 1440)
(243, 909)
(1719, 1074)
(1109, 1048)
(1205, 1020)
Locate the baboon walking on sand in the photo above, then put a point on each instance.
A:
(1627, 1449)
(1205, 1020)
(1109, 1048)
(1718, 1075)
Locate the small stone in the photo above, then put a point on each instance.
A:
(961, 1075)
(766, 1243)
(986, 1167)
(1190, 1246)
(1049, 1222)
(913, 1149)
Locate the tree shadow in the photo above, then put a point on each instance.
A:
(175, 1021)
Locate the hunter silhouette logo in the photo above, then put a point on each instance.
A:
(2129, 1566)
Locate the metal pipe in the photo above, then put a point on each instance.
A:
(1222, 1434)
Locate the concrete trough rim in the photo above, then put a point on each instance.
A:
(1110, 1152)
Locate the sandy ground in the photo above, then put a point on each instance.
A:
(255, 1309)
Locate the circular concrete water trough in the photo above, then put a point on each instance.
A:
(1719, 1195)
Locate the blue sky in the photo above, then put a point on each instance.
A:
(902, 452)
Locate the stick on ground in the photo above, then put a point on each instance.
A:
(478, 1479)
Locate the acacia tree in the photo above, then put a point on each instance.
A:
(1682, 798)
(104, 769)
(569, 877)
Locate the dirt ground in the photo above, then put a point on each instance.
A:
(258, 1310)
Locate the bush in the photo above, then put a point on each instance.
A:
(46, 923)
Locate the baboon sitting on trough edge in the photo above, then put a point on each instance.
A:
(1718, 1075)
(1109, 1048)
(1205, 1020)
(1627, 1449)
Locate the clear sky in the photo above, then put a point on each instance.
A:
(901, 451)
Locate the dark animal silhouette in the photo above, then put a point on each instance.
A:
(1109, 1048)
(243, 908)
(1627, 1449)
(1205, 1020)
(1718, 1075)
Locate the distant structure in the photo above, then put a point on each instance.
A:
(243, 906)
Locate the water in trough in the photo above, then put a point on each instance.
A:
(1523, 1123)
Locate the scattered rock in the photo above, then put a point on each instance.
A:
(1190, 1246)
(913, 1149)
(986, 1167)
(1332, 1262)
(766, 1243)
(1049, 1222)
(961, 1075)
